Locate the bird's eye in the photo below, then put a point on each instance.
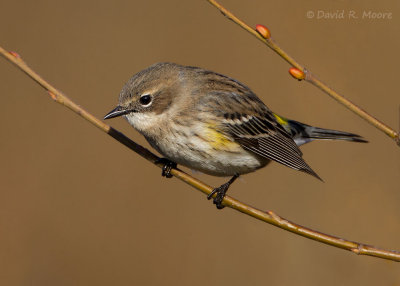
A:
(145, 99)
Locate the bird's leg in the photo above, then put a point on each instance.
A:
(221, 191)
(168, 166)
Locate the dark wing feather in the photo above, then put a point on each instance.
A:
(266, 138)
(252, 124)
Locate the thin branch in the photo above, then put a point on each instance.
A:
(266, 39)
(267, 216)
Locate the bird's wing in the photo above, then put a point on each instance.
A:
(262, 135)
(248, 120)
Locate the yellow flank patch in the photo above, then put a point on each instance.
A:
(281, 120)
(218, 140)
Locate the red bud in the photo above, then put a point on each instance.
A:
(263, 31)
(52, 95)
(15, 55)
(297, 74)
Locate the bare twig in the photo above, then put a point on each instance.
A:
(268, 216)
(266, 39)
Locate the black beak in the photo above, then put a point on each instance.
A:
(118, 111)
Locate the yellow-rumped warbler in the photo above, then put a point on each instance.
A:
(213, 123)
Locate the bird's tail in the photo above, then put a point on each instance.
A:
(303, 133)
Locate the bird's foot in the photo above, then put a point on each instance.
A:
(168, 166)
(221, 192)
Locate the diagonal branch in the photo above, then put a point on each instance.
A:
(268, 216)
(264, 36)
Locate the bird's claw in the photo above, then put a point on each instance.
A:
(168, 166)
(220, 194)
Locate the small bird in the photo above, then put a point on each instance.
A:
(212, 123)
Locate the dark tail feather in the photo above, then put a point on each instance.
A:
(303, 133)
(320, 133)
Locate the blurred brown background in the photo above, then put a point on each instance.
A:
(78, 208)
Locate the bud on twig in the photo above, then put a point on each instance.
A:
(297, 74)
(263, 31)
(15, 55)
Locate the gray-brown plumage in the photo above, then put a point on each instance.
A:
(213, 123)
